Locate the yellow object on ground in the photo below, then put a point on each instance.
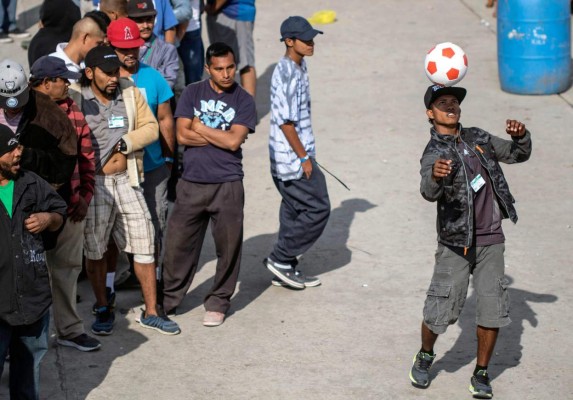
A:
(323, 17)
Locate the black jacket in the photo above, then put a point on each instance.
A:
(49, 139)
(58, 18)
(24, 285)
(455, 222)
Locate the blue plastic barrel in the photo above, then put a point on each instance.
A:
(534, 46)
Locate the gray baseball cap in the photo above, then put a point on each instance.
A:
(14, 90)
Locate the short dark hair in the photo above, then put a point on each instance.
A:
(35, 82)
(218, 49)
(100, 18)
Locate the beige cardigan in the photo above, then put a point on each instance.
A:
(142, 129)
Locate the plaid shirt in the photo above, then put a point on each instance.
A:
(83, 178)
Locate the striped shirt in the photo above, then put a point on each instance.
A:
(290, 102)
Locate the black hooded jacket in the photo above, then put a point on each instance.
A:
(58, 18)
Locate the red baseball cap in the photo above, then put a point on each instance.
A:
(123, 33)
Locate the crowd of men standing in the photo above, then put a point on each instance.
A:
(88, 143)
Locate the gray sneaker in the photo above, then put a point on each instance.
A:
(420, 372)
(309, 281)
(288, 276)
(480, 386)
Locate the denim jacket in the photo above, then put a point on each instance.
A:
(455, 222)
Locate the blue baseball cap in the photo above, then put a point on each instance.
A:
(297, 28)
(52, 67)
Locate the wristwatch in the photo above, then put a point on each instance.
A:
(122, 146)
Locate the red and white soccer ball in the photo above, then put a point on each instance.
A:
(446, 64)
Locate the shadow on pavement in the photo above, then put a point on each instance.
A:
(78, 373)
(329, 254)
(508, 350)
(263, 95)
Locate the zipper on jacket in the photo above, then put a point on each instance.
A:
(470, 200)
(484, 166)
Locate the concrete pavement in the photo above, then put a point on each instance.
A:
(354, 336)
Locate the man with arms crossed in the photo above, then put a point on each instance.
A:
(214, 117)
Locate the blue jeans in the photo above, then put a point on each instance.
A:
(192, 55)
(27, 345)
(8, 15)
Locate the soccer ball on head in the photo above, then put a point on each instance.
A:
(446, 64)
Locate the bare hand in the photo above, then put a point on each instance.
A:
(441, 168)
(79, 210)
(514, 128)
(307, 168)
(38, 222)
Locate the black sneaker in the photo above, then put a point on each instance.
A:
(309, 281)
(104, 319)
(82, 342)
(19, 34)
(480, 386)
(110, 301)
(288, 276)
(420, 372)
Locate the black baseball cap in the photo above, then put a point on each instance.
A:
(8, 140)
(140, 8)
(435, 91)
(103, 57)
(52, 67)
(297, 28)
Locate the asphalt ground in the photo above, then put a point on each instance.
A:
(354, 337)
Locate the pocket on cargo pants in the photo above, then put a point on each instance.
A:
(438, 307)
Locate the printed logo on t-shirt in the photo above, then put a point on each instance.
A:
(215, 114)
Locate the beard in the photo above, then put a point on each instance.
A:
(6, 171)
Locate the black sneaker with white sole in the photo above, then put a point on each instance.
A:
(82, 342)
(309, 281)
(286, 275)
(19, 34)
(4, 38)
(480, 386)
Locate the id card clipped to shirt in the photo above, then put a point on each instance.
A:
(114, 122)
(477, 183)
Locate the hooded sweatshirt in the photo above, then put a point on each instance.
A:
(56, 27)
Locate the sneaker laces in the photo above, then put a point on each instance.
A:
(482, 377)
(423, 362)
